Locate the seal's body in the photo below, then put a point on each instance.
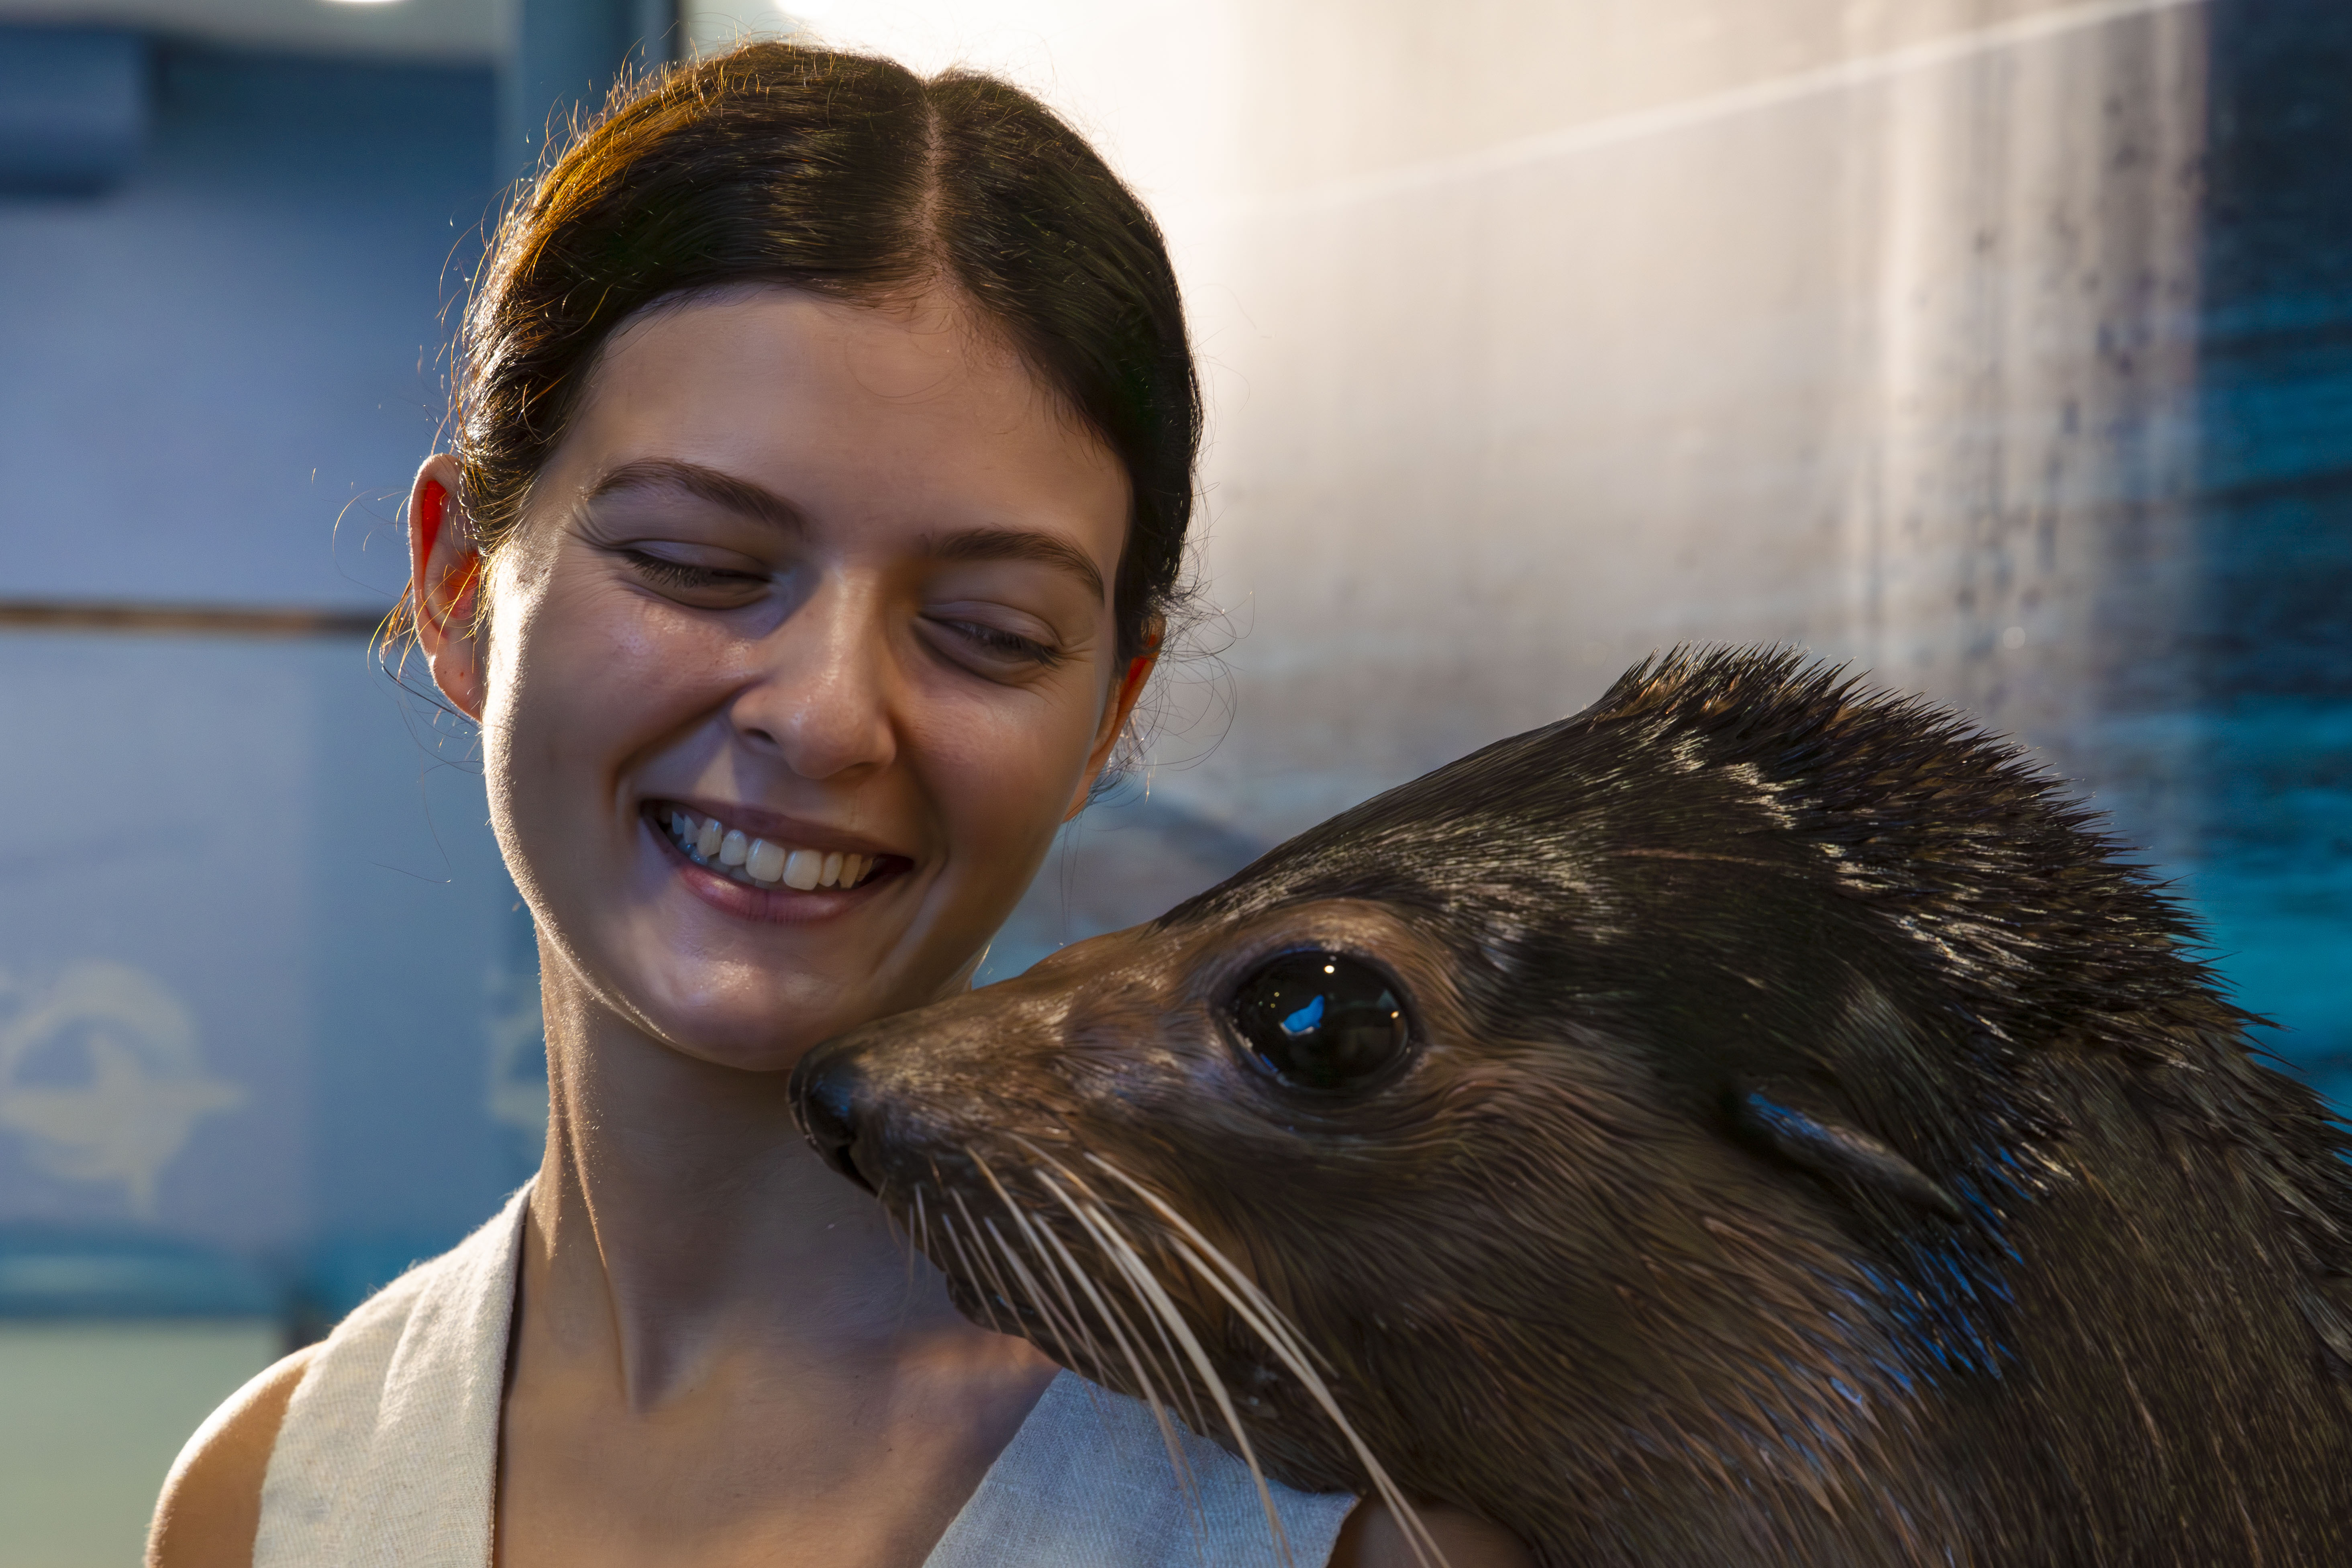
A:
(1755, 1121)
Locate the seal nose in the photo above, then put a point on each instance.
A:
(828, 1097)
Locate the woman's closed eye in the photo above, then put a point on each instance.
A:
(990, 649)
(695, 581)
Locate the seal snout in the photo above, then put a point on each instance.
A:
(830, 1095)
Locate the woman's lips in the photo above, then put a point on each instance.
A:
(762, 863)
(805, 882)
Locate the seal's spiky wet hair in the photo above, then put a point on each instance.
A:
(1970, 847)
(1965, 842)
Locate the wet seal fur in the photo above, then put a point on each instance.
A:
(1812, 1143)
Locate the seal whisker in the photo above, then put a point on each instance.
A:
(1049, 1271)
(1099, 1224)
(1079, 1183)
(899, 1232)
(1152, 1399)
(1270, 1328)
(1210, 1250)
(1138, 1274)
(922, 1235)
(971, 1273)
(1060, 1330)
(1268, 1320)
(1116, 1322)
(1036, 1298)
(1163, 1411)
(1003, 1291)
(1191, 1411)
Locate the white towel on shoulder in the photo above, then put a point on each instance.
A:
(388, 1456)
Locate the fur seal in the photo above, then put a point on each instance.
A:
(1759, 1120)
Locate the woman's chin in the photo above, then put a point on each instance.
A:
(752, 1044)
(754, 1006)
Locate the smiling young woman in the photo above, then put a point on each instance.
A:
(823, 466)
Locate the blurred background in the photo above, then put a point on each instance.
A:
(2003, 347)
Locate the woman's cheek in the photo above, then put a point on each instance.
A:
(1018, 768)
(577, 681)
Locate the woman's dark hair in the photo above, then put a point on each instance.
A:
(850, 177)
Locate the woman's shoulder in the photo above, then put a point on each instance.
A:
(210, 1510)
(211, 1506)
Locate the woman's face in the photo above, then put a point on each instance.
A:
(832, 578)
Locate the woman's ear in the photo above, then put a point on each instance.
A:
(445, 583)
(1117, 708)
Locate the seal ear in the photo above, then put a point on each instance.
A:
(1837, 1153)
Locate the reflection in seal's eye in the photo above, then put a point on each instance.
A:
(1320, 1020)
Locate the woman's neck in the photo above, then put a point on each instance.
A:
(679, 1221)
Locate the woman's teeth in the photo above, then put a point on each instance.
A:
(729, 851)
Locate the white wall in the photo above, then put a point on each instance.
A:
(1869, 343)
(1540, 335)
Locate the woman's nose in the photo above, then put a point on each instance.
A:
(820, 694)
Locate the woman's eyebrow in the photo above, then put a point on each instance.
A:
(748, 500)
(1014, 544)
(739, 496)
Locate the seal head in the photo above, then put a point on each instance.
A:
(1757, 1120)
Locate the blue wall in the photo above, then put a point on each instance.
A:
(220, 376)
(208, 364)
(2273, 639)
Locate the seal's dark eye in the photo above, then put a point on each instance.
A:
(1320, 1020)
